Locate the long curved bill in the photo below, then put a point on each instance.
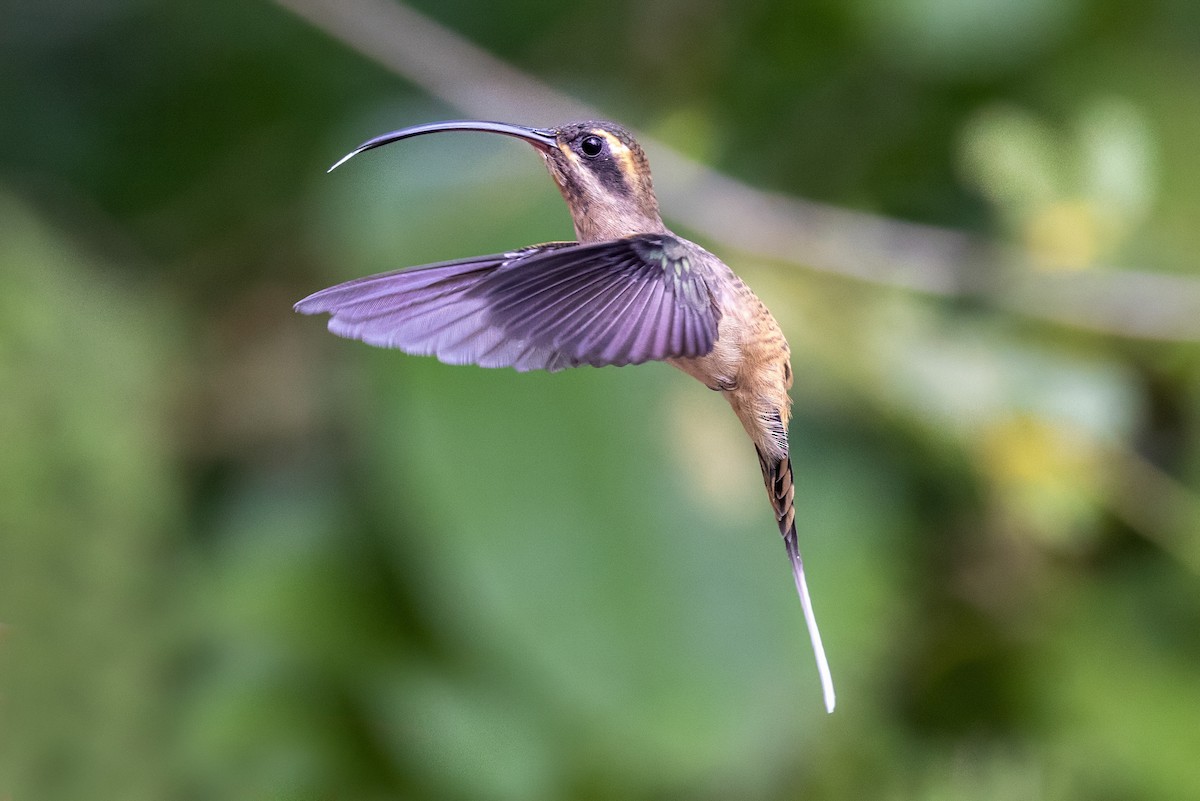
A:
(541, 138)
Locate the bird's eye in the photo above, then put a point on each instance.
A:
(591, 146)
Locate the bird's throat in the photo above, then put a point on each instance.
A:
(602, 213)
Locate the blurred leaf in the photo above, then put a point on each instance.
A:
(1118, 157)
(1071, 197)
(88, 503)
(1013, 158)
(967, 37)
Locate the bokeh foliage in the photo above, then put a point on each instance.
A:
(240, 558)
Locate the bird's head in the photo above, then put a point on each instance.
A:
(599, 167)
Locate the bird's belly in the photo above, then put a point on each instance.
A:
(739, 355)
(720, 368)
(749, 365)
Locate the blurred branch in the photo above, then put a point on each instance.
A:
(864, 247)
(1156, 505)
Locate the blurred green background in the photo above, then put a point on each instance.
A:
(242, 558)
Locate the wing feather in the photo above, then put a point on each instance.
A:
(547, 307)
(620, 347)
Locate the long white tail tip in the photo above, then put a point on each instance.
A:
(813, 632)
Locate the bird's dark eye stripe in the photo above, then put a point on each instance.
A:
(591, 146)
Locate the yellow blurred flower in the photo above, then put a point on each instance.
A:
(1046, 476)
(1065, 235)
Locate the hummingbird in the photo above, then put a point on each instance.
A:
(627, 291)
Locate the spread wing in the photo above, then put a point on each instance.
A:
(546, 307)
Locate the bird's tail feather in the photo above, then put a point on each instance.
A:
(777, 474)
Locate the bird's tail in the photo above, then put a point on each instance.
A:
(777, 475)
